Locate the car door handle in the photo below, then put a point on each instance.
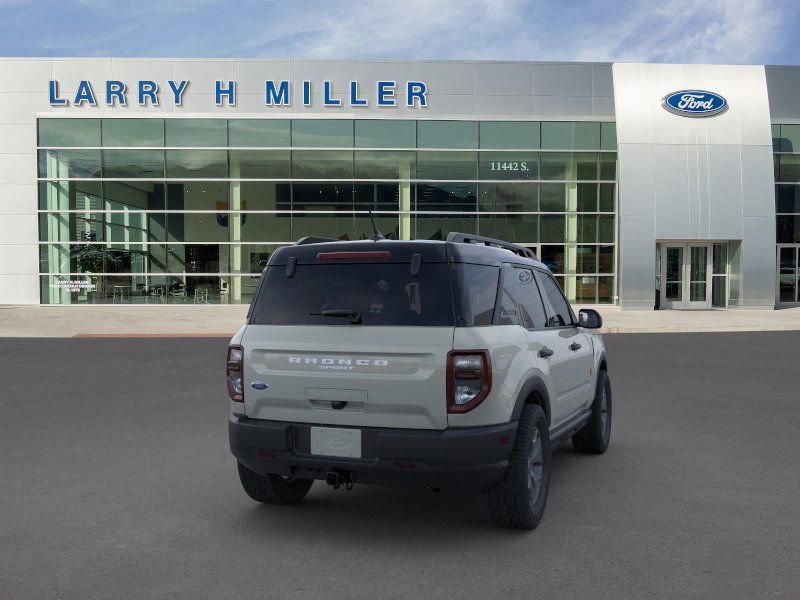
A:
(574, 346)
(545, 352)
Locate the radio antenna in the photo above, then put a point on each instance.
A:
(376, 234)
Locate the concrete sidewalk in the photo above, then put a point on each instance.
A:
(224, 320)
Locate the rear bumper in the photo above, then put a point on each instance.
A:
(465, 459)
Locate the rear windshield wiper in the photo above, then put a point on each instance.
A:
(353, 315)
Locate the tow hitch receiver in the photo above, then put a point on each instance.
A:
(339, 478)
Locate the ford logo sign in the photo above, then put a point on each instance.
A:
(695, 103)
(259, 385)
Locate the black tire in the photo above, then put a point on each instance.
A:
(273, 489)
(518, 500)
(596, 434)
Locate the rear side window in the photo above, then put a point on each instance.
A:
(507, 298)
(381, 294)
(532, 315)
(562, 314)
(476, 291)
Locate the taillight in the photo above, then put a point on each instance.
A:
(235, 373)
(469, 379)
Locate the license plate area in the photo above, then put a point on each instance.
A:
(334, 441)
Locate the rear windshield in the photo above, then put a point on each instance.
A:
(380, 294)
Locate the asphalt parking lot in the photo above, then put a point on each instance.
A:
(116, 482)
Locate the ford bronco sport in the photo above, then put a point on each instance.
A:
(454, 365)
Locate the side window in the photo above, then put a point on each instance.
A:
(531, 308)
(506, 313)
(562, 315)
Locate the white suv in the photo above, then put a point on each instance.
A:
(454, 364)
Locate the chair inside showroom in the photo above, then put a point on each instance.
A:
(201, 293)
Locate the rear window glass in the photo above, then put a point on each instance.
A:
(381, 294)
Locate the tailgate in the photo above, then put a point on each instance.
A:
(376, 376)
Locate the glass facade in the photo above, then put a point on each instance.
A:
(189, 210)
(786, 149)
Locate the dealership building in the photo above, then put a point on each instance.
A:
(158, 181)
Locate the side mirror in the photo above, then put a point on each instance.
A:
(589, 318)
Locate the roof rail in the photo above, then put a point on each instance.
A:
(310, 239)
(469, 238)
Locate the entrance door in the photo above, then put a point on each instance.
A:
(686, 276)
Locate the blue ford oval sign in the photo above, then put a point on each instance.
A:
(695, 103)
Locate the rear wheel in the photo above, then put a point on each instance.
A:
(518, 500)
(595, 435)
(273, 489)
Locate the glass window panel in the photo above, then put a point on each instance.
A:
(586, 259)
(776, 164)
(61, 164)
(447, 134)
(587, 136)
(776, 138)
(198, 258)
(259, 133)
(198, 227)
(608, 166)
(553, 257)
(320, 164)
(517, 228)
(605, 290)
(787, 198)
(508, 165)
(387, 223)
(605, 260)
(71, 258)
(557, 135)
(606, 197)
(87, 289)
(196, 132)
(556, 165)
(251, 258)
(531, 307)
(788, 261)
(447, 165)
(552, 228)
(438, 227)
(70, 195)
(147, 164)
(446, 197)
(260, 164)
(385, 165)
(586, 289)
(385, 133)
(76, 227)
(133, 195)
(585, 166)
(788, 229)
(261, 195)
(605, 229)
(198, 195)
(720, 259)
(69, 132)
(264, 227)
(718, 292)
(322, 133)
(587, 229)
(790, 138)
(197, 163)
(508, 197)
(317, 196)
(127, 228)
(788, 288)
(133, 132)
(789, 170)
(587, 197)
(608, 136)
(509, 134)
(553, 197)
(383, 199)
(336, 225)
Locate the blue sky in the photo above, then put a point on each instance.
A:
(685, 31)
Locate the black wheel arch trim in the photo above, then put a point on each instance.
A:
(534, 385)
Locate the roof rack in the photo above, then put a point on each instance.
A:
(469, 238)
(310, 239)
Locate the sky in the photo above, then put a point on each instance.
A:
(683, 31)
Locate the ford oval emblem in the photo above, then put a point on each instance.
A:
(259, 385)
(695, 103)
